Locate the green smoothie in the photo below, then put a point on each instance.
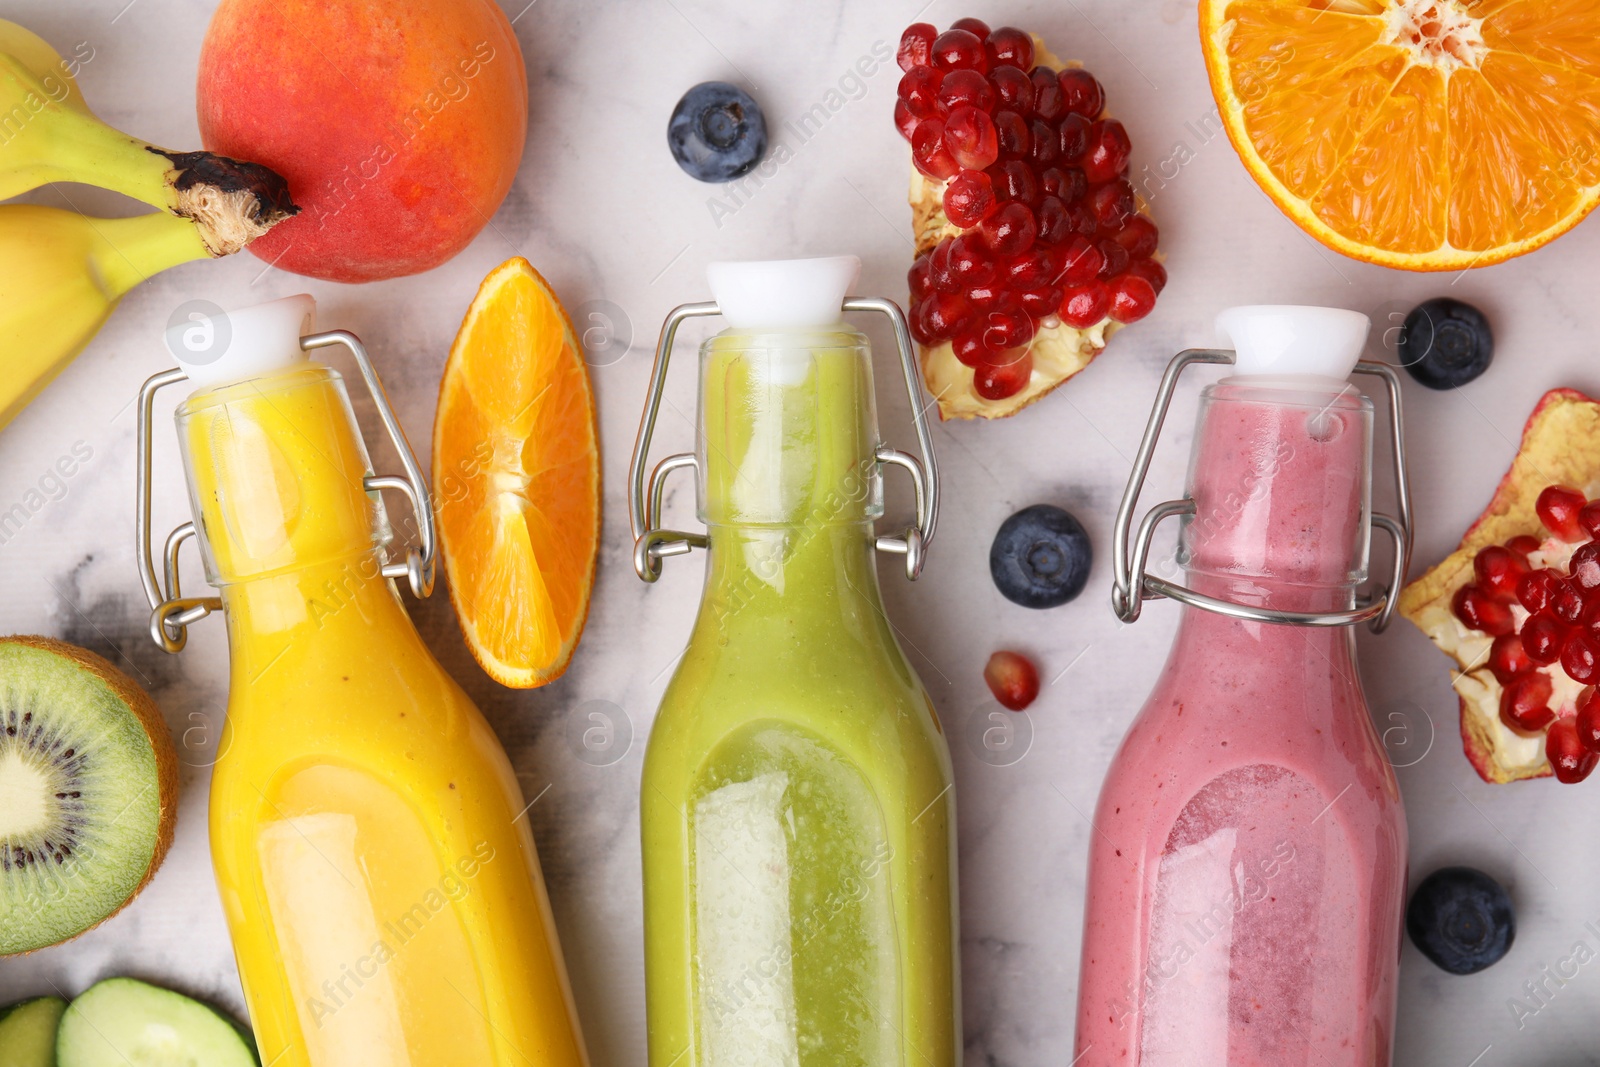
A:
(797, 814)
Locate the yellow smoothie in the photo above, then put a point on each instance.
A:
(370, 839)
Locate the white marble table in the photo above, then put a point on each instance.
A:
(601, 209)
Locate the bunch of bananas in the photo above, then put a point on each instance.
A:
(62, 273)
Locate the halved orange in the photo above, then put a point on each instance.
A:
(1424, 134)
(516, 479)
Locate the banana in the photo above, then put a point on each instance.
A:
(61, 275)
(48, 134)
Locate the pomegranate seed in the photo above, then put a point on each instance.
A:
(1536, 590)
(964, 88)
(1010, 231)
(1498, 571)
(968, 346)
(1525, 704)
(1082, 218)
(1569, 757)
(1107, 154)
(1013, 88)
(1139, 236)
(1081, 92)
(1585, 566)
(1112, 204)
(1055, 225)
(959, 50)
(1558, 508)
(1034, 269)
(1150, 271)
(1580, 658)
(1591, 616)
(919, 88)
(1567, 604)
(904, 120)
(1081, 264)
(1014, 180)
(940, 272)
(1045, 148)
(1542, 638)
(998, 381)
(918, 278)
(1040, 303)
(977, 27)
(1085, 305)
(929, 153)
(945, 313)
(1478, 612)
(1132, 298)
(1114, 255)
(1012, 679)
(1049, 103)
(970, 262)
(1589, 518)
(1524, 545)
(1010, 47)
(1007, 327)
(916, 45)
(1073, 137)
(969, 199)
(970, 136)
(1507, 658)
(1588, 721)
(1066, 182)
(985, 297)
(1011, 133)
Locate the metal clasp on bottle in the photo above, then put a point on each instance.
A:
(652, 543)
(1133, 585)
(171, 613)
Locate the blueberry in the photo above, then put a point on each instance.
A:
(1461, 919)
(717, 132)
(1040, 557)
(1445, 343)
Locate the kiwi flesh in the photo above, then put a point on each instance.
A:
(88, 791)
(28, 1032)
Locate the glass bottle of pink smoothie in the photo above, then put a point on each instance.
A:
(1247, 872)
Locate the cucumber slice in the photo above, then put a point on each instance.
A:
(28, 1032)
(122, 1020)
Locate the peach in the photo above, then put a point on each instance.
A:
(399, 125)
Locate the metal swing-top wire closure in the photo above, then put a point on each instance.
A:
(652, 544)
(1133, 586)
(171, 613)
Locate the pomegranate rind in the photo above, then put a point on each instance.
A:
(1059, 351)
(1560, 444)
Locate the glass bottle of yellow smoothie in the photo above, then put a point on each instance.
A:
(797, 815)
(369, 837)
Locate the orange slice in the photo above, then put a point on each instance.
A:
(516, 479)
(1423, 134)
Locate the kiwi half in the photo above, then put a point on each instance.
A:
(88, 791)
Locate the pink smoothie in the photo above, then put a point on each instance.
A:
(1247, 869)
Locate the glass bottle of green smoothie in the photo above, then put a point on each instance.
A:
(797, 814)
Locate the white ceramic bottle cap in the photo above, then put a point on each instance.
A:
(1292, 339)
(779, 294)
(216, 347)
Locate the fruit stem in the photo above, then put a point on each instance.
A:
(229, 201)
(130, 250)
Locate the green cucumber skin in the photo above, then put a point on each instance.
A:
(113, 1013)
(28, 1032)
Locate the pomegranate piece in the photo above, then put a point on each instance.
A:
(1014, 89)
(1140, 236)
(1478, 611)
(969, 199)
(1010, 231)
(1588, 720)
(1585, 567)
(1535, 590)
(1011, 133)
(1507, 658)
(1525, 704)
(970, 136)
(904, 120)
(1009, 47)
(1014, 181)
(918, 279)
(998, 381)
(916, 46)
(1150, 271)
(919, 89)
(1524, 545)
(965, 88)
(977, 27)
(1499, 570)
(959, 50)
(968, 346)
(1049, 103)
(1589, 518)
(929, 153)
(1012, 679)
(1107, 153)
(1081, 92)
(1569, 757)
(1132, 298)
(970, 264)
(1085, 305)
(1542, 638)
(1558, 507)
(1580, 658)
